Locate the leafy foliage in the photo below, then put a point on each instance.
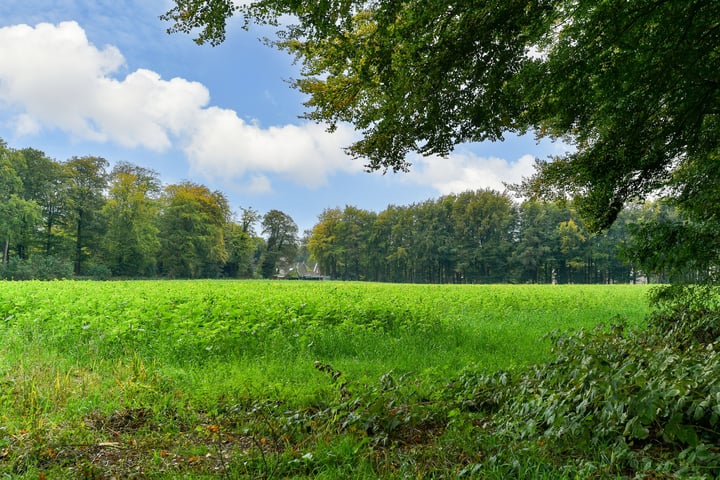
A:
(126, 224)
(687, 314)
(631, 85)
(191, 231)
(474, 237)
(282, 242)
(632, 396)
(87, 179)
(37, 268)
(131, 243)
(17, 215)
(114, 224)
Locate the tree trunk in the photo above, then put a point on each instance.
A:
(48, 236)
(78, 244)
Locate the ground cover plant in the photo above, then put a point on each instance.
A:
(323, 379)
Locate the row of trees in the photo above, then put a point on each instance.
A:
(78, 218)
(59, 219)
(481, 236)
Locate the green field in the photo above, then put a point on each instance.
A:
(167, 379)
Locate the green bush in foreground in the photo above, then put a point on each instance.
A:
(616, 402)
(611, 403)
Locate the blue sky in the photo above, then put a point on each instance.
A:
(103, 78)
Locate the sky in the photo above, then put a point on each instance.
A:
(103, 78)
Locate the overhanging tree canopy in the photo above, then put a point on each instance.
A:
(633, 86)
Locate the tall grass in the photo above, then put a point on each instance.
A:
(77, 358)
(270, 333)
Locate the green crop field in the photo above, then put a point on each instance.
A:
(257, 379)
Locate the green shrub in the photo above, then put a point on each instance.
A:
(687, 314)
(99, 271)
(623, 396)
(36, 268)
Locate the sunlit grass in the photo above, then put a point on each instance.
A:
(265, 336)
(79, 359)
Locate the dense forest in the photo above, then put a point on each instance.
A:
(79, 218)
(476, 237)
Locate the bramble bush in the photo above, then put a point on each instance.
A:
(687, 314)
(619, 402)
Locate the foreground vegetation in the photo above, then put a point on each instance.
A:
(303, 379)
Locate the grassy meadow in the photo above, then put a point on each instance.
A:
(262, 379)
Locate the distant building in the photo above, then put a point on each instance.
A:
(302, 272)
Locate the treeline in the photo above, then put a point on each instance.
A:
(78, 218)
(474, 237)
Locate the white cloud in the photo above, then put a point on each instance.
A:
(56, 78)
(52, 77)
(144, 110)
(48, 72)
(258, 184)
(467, 171)
(225, 145)
(25, 124)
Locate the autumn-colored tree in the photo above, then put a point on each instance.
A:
(192, 226)
(131, 243)
(323, 243)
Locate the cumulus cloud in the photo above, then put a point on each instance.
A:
(57, 79)
(48, 72)
(224, 144)
(467, 171)
(52, 77)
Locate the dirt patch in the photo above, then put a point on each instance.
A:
(126, 421)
